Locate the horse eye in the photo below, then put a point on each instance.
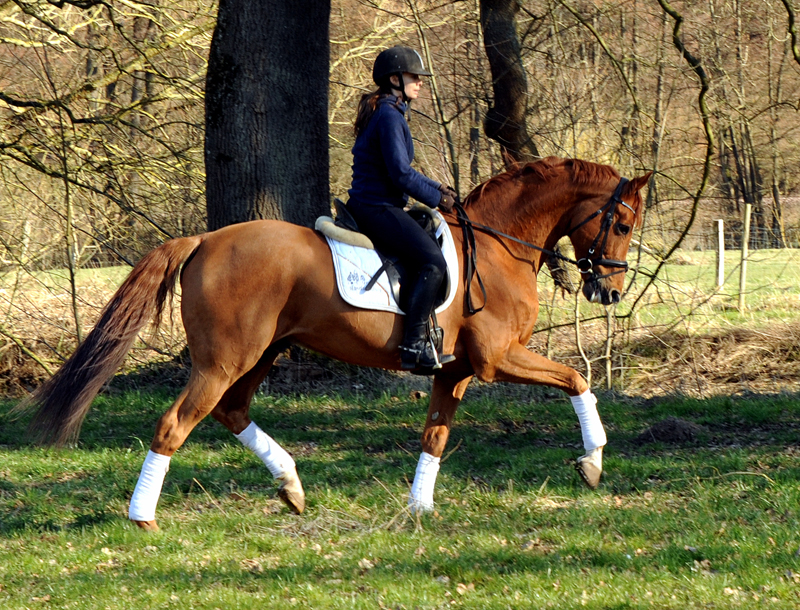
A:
(623, 229)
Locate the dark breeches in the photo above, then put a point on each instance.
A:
(395, 233)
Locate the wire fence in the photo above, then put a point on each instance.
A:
(704, 235)
(761, 238)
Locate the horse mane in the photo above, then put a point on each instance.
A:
(582, 173)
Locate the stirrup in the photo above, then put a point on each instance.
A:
(410, 357)
(439, 358)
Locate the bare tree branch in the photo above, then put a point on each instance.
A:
(705, 86)
(792, 30)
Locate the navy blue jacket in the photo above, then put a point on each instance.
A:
(382, 156)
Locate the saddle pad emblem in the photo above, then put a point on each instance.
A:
(354, 267)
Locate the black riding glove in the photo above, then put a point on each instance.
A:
(449, 198)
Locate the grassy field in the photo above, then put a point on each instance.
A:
(704, 519)
(687, 287)
(771, 292)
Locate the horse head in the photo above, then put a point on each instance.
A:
(601, 230)
(585, 201)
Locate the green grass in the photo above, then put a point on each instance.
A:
(770, 289)
(709, 523)
(685, 294)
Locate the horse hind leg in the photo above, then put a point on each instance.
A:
(195, 402)
(232, 411)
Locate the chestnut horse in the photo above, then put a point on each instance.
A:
(251, 289)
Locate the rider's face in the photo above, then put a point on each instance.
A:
(413, 84)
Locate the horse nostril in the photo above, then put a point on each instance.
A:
(616, 297)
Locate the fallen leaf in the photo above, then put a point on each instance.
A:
(251, 565)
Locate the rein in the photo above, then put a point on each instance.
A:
(584, 265)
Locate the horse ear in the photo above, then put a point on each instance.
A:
(636, 184)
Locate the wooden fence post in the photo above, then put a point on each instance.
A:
(720, 252)
(745, 247)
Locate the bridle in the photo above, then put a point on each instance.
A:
(585, 265)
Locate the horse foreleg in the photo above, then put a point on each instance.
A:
(445, 398)
(195, 402)
(590, 465)
(232, 411)
(523, 366)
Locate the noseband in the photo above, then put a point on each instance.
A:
(584, 265)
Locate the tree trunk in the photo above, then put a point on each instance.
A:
(505, 121)
(266, 147)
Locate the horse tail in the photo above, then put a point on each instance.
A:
(65, 398)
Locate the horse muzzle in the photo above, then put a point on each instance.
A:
(596, 291)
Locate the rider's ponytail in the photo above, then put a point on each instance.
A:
(369, 103)
(366, 108)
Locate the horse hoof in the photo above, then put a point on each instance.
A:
(148, 526)
(292, 494)
(296, 502)
(589, 473)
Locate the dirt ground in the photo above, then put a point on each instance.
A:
(730, 362)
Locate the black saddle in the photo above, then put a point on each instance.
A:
(395, 271)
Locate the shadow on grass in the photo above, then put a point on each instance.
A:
(343, 438)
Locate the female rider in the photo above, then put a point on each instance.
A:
(383, 179)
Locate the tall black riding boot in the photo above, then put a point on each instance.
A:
(417, 351)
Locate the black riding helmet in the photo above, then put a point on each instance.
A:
(396, 61)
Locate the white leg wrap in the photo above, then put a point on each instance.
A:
(585, 406)
(148, 487)
(420, 499)
(275, 457)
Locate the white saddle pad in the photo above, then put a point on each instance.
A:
(354, 267)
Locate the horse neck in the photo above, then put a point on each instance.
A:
(539, 214)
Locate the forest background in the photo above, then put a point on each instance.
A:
(102, 159)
